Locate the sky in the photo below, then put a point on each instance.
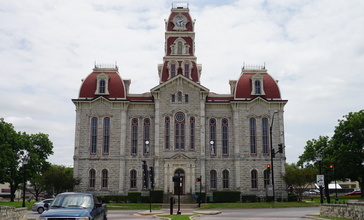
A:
(315, 48)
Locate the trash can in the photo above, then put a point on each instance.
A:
(210, 198)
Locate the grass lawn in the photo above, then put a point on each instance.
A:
(131, 206)
(177, 217)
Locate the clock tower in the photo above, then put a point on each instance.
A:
(179, 58)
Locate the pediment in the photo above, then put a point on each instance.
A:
(179, 79)
(179, 156)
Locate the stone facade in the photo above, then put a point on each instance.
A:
(179, 127)
(11, 213)
(351, 210)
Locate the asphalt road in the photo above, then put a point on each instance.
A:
(226, 214)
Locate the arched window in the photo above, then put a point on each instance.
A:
(225, 179)
(187, 70)
(179, 49)
(173, 70)
(102, 86)
(213, 179)
(254, 179)
(253, 147)
(92, 178)
(146, 143)
(192, 133)
(134, 136)
(106, 135)
(179, 96)
(266, 178)
(179, 130)
(167, 125)
(212, 136)
(104, 178)
(257, 87)
(265, 135)
(133, 179)
(225, 136)
(93, 135)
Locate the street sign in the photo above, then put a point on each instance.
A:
(320, 180)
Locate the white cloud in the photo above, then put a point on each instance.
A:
(314, 48)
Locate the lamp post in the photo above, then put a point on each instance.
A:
(272, 153)
(24, 160)
(319, 159)
(212, 150)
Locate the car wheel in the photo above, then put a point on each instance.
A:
(40, 210)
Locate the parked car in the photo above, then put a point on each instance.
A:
(353, 193)
(311, 192)
(39, 206)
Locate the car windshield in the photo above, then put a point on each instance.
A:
(72, 201)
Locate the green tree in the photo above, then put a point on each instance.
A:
(299, 178)
(60, 179)
(15, 145)
(347, 148)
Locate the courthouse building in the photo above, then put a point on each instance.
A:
(179, 127)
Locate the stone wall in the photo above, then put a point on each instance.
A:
(11, 213)
(351, 210)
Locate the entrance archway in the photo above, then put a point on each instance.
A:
(180, 188)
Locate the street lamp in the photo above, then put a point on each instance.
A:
(272, 151)
(212, 148)
(25, 158)
(319, 159)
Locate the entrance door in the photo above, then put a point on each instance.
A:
(179, 188)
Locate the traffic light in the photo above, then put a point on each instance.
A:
(198, 179)
(280, 148)
(151, 175)
(268, 167)
(331, 166)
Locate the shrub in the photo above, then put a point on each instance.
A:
(134, 197)
(292, 197)
(115, 198)
(203, 197)
(226, 196)
(249, 198)
(157, 196)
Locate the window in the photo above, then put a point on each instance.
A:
(179, 49)
(186, 98)
(192, 133)
(106, 135)
(266, 178)
(93, 135)
(92, 178)
(173, 98)
(213, 179)
(179, 96)
(212, 136)
(102, 86)
(167, 124)
(133, 179)
(187, 70)
(265, 135)
(179, 131)
(134, 136)
(225, 179)
(225, 137)
(146, 136)
(254, 179)
(104, 178)
(257, 87)
(173, 70)
(253, 149)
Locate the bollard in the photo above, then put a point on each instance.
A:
(171, 205)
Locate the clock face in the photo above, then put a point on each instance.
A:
(180, 21)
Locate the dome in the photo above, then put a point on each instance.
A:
(245, 86)
(111, 87)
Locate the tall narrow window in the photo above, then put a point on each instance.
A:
(179, 96)
(225, 179)
(179, 51)
(192, 132)
(146, 136)
(173, 98)
(187, 70)
(133, 179)
(173, 70)
(102, 86)
(186, 98)
(134, 136)
(92, 178)
(257, 87)
(213, 179)
(265, 135)
(167, 124)
(266, 178)
(212, 136)
(106, 135)
(253, 147)
(104, 178)
(254, 179)
(179, 131)
(225, 137)
(93, 135)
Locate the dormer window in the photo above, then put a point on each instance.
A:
(257, 84)
(172, 66)
(187, 65)
(180, 47)
(102, 87)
